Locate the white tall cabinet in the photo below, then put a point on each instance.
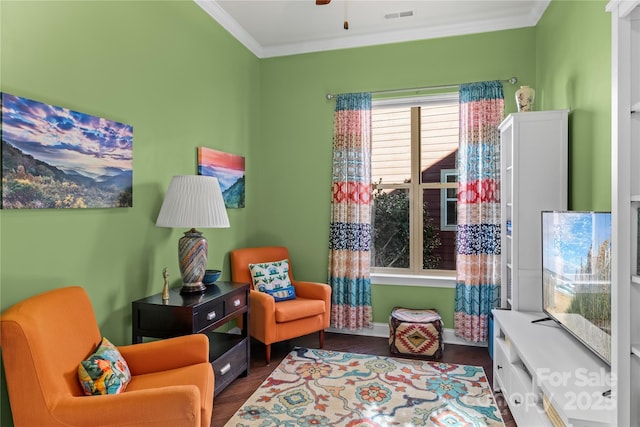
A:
(625, 191)
(540, 368)
(533, 167)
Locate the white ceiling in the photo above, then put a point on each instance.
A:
(285, 27)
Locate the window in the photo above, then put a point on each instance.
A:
(449, 200)
(413, 165)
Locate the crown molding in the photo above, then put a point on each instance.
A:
(398, 36)
(228, 23)
(538, 10)
(622, 7)
(231, 25)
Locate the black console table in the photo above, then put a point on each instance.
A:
(201, 313)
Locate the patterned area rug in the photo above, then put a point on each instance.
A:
(329, 388)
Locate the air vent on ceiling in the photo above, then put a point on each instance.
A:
(395, 15)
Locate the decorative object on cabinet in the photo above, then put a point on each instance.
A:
(210, 276)
(625, 209)
(525, 96)
(527, 141)
(165, 288)
(193, 201)
(63, 158)
(230, 171)
(229, 353)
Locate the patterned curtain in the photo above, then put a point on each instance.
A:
(350, 230)
(478, 237)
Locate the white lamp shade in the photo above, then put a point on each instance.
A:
(193, 201)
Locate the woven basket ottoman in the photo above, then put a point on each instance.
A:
(416, 332)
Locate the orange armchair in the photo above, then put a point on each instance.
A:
(44, 339)
(272, 321)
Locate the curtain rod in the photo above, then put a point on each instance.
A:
(512, 80)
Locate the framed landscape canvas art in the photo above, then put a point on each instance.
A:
(53, 157)
(229, 169)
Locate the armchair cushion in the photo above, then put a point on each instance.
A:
(273, 278)
(105, 371)
(299, 308)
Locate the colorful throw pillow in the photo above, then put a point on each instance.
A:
(105, 371)
(273, 279)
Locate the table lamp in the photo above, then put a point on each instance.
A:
(193, 201)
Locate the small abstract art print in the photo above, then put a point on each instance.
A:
(229, 169)
(53, 157)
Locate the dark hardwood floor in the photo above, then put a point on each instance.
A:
(231, 398)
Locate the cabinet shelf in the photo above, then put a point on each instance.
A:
(635, 350)
(635, 279)
(635, 108)
(635, 197)
(221, 343)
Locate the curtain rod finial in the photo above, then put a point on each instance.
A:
(330, 96)
(513, 80)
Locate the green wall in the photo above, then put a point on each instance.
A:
(181, 81)
(573, 71)
(169, 70)
(297, 121)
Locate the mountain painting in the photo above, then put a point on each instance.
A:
(53, 157)
(229, 169)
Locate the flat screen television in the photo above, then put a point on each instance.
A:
(576, 275)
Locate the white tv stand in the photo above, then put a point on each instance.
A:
(537, 365)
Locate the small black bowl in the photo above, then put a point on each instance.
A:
(210, 276)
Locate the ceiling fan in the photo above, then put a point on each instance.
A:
(346, 22)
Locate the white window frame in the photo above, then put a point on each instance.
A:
(414, 275)
(444, 209)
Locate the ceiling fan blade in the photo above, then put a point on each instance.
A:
(321, 2)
